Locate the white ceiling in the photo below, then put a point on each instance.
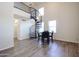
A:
(28, 3)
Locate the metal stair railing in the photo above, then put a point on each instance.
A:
(38, 20)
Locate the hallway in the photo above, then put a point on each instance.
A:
(31, 48)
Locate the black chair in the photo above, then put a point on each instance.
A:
(45, 34)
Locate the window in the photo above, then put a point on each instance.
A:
(41, 11)
(52, 26)
(42, 27)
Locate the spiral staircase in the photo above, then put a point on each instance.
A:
(34, 30)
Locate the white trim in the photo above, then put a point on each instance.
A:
(7, 48)
(61, 39)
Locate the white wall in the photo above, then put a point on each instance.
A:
(24, 29)
(78, 27)
(67, 17)
(67, 26)
(6, 25)
(24, 26)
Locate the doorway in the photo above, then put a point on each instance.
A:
(16, 29)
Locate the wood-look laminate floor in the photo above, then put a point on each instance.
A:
(33, 48)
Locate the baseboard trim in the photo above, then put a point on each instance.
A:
(65, 40)
(6, 49)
